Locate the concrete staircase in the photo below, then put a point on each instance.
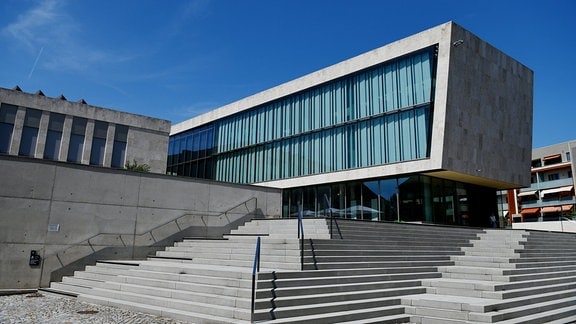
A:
(361, 274)
(505, 277)
(367, 273)
(197, 280)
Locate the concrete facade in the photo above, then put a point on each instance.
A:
(73, 215)
(485, 112)
(482, 115)
(146, 143)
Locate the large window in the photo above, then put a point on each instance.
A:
(77, 137)
(29, 137)
(415, 198)
(374, 117)
(190, 153)
(119, 150)
(377, 116)
(7, 118)
(98, 143)
(54, 136)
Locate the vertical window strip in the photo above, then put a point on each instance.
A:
(306, 111)
(394, 138)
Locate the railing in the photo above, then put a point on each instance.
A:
(301, 237)
(178, 222)
(255, 270)
(330, 210)
(332, 219)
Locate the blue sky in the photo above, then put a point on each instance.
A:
(176, 59)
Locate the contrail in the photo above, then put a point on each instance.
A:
(35, 62)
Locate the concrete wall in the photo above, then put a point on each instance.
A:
(488, 112)
(74, 215)
(147, 137)
(551, 226)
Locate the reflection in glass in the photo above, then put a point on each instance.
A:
(422, 199)
(353, 201)
(388, 201)
(370, 208)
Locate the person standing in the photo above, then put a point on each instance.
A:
(493, 222)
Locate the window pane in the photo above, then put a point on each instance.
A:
(121, 133)
(76, 145)
(118, 154)
(79, 126)
(5, 137)
(52, 148)
(56, 122)
(97, 151)
(32, 118)
(28, 141)
(30, 132)
(8, 113)
(75, 148)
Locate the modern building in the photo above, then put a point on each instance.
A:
(425, 129)
(550, 196)
(36, 126)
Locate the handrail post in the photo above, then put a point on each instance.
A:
(331, 216)
(301, 237)
(255, 269)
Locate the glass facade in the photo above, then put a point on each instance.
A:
(191, 153)
(415, 198)
(377, 116)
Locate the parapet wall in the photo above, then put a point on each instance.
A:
(73, 215)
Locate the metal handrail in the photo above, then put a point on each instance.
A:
(225, 213)
(255, 270)
(301, 237)
(331, 215)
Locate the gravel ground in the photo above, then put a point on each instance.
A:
(46, 308)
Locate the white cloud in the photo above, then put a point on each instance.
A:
(48, 26)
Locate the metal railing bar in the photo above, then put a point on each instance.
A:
(301, 236)
(255, 270)
(168, 222)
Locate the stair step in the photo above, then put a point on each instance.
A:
(379, 273)
(352, 265)
(387, 314)
(187, 316)
(328, 307)
(165, 302)
(320, 281)
(337, 296)
(303, 290)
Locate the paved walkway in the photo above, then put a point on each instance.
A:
(50, 309)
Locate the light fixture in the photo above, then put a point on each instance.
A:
(458, 43)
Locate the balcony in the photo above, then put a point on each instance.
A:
(550, 184)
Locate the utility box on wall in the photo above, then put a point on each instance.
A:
(35, 259)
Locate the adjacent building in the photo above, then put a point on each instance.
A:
(36, 126)
(550, 196)
(425, 129)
